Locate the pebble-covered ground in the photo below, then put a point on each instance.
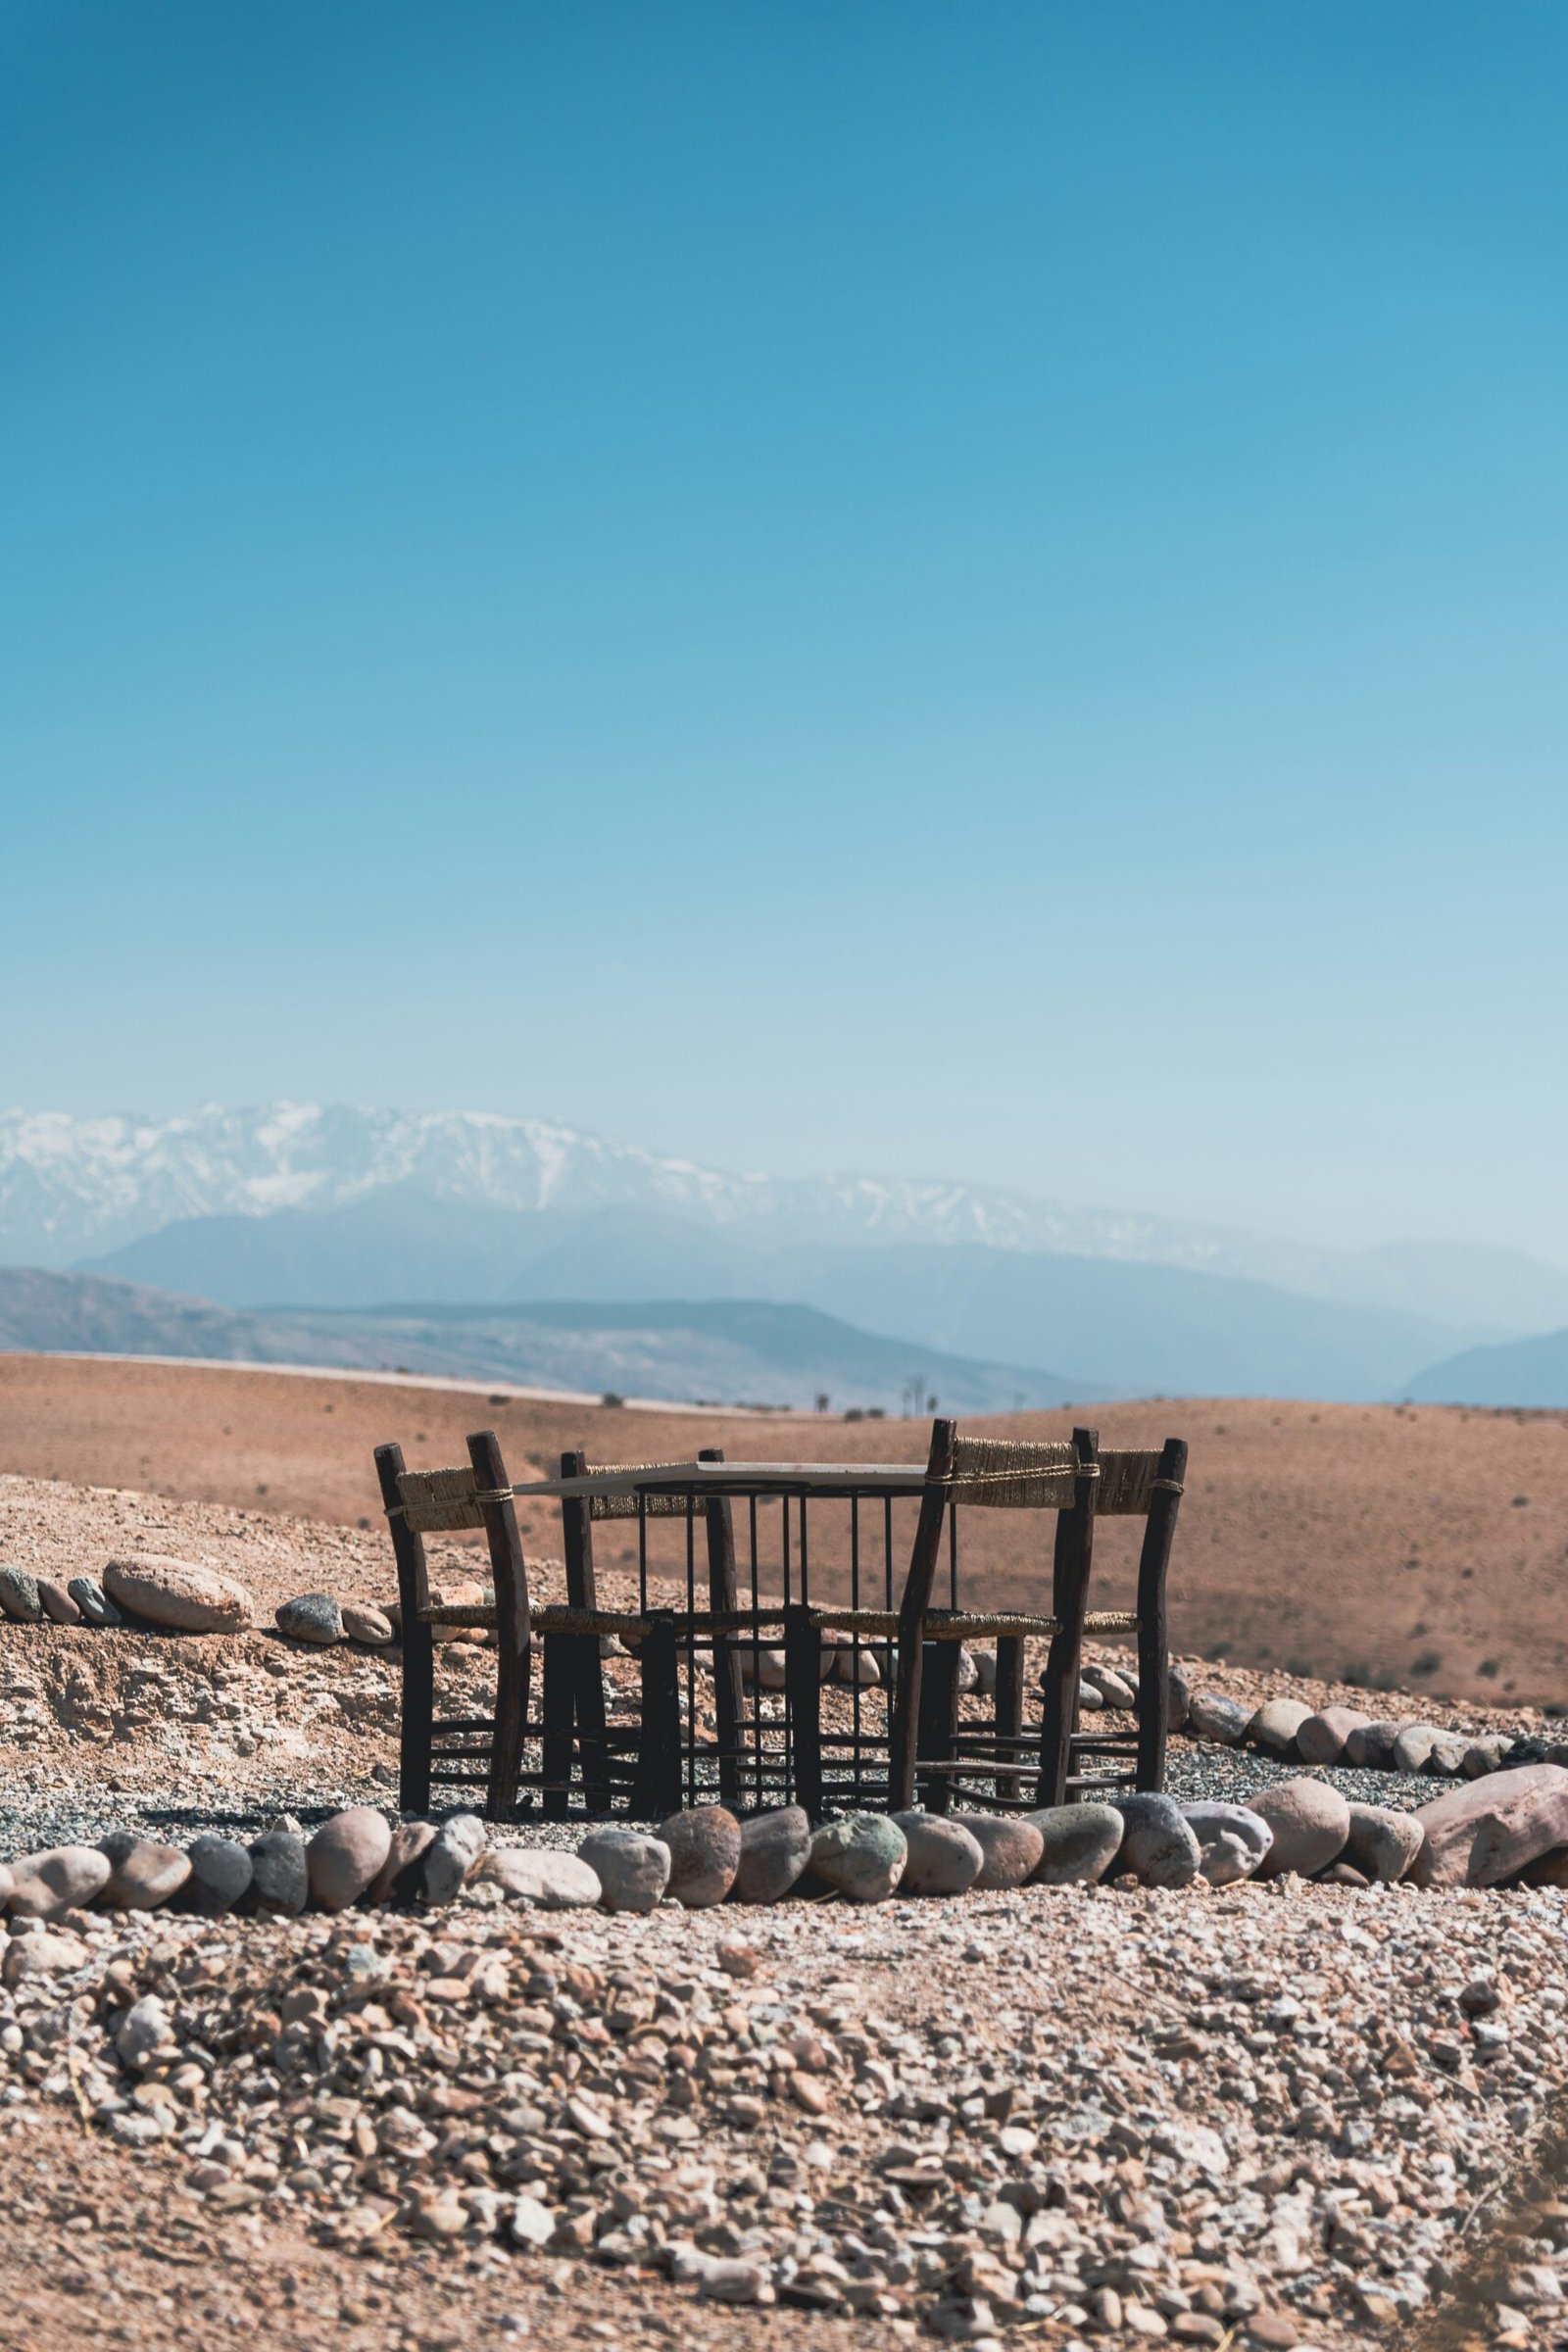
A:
(1270, 2116)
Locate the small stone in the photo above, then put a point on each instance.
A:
(985, 1667)
(1343, 1873)
(346, 1855)
(1370, 1747)
(942, 1857)
(776, 1849)
(771, 1671)
(281, 1879)
(142, 1873)
(540, 1876)
(1481, 1757)
(43, 1955)
(62, 1878)
(178, 1594)
(1158, 1845)
(219, 1876)
(312, 1617)
(1078, 1843)
(1091, 1699)
(725, 2278)
(530, 2224)
(1310, 1821)
(143, 2029)
(1446, 1760)
(862, 1857)
(1180, 1697)
(97, 1609)
(633, 1868)
(57, 1603)
(1011, 1848)
(1276, 1724)
(1115, 1689)
(705, 1853)
(1382, 1843)
(363, 1622)
(448, 1860)
(1213, 1716)
(968, 1677)
(397, 1879)
(1231, 1841)
(19, 1596)
(1322, 1737)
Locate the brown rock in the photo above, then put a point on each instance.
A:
(142, 1873)
(346, 1856)
(1321, 1738)
(178, 1594)
(63, 1878)
(1383, 1844)
(397, 1880)
(1013, 1848)
(57, 1602)
(1310, 1821)
(705, 1854)
(363, 1622)
(1479, 1833)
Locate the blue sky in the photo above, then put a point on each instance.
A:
(907, 587)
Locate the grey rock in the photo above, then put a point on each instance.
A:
(1115, 1689)
(1412, 1745)
(1276, 1724)
(633, 1868)
(19, 1596)
(705, 1853)
(312, 1617)
(1158, 1845)
(942, 1858)
(450, 1856)
(219, 1876)
(1011, 1847)
(1370, 1747)
(93, 1601)
(1213, 1716)
(1382, 1843)
(775, 1850)
(1530, 1749)
(985, 1667)
(862, 1857)
(1091, 1699)
(1231, 1841)
(346, 1855)
(142, 1873)
(541, 1877)
(860, 1666)
(1180, 1689)
(281, 1879)
(1481, 1757)
(1078, 1843)
(968, 1674)
(1310, 1821)
(1446, 1760)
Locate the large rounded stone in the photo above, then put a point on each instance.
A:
(942, 1858)
(633, 1868)
(1310, 1821)
(62, 1878)
(1370, 1747)
(312, 1617)
(862, 1857)
(451, 1857)
(142, 1873)
(1180, 1697)
(1158, 1843)
(281, 1879)
(363, 1622)
(853, 1666)
(542, 1877)
(93, 1601)
(57, 1603)
(1276, 1724)
(19, 1596)
(1212, 1716)
(776, 1849)
(1413, 1745)
(705, 1853)
(1481, 1756)
(1479, 1833)
(397, 1879)
(1118, 1690)
(1078, 1843)
(219, 1876)
(1231, 1841)
(1383, 1844)
(178, 1594)
(345, 1856)
(1010, 1849)
(1322, 1737)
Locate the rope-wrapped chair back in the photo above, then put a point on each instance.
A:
(438, 1502)
(1001, 1474)
(624, 1506)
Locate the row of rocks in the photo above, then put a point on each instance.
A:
(1329, 1736)
(181, 1597)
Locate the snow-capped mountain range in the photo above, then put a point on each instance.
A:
(75, 1190)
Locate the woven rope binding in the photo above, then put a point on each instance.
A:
(624, 1506)
(437, 1501)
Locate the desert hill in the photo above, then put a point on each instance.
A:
(1532, 1371)
(1424, 1545)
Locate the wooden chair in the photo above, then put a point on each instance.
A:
(1079, 1483)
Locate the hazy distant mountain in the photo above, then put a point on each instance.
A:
(723, 1351)
(81, 1191)
(1531, 1372)
(1136, 1329)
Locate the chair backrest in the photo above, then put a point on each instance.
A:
(1001, 1474)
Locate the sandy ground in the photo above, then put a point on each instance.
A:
(1425, 1548)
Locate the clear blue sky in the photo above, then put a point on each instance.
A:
(978, 590)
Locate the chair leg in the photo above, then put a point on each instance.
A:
(414, 1731)
(514, 1631)
(1154, 1643)
(656, 1789)
(802, 1698)
(1075, 1536)
(939, 1722)
(904, 1712)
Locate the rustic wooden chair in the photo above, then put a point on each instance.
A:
(1079, 1483)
